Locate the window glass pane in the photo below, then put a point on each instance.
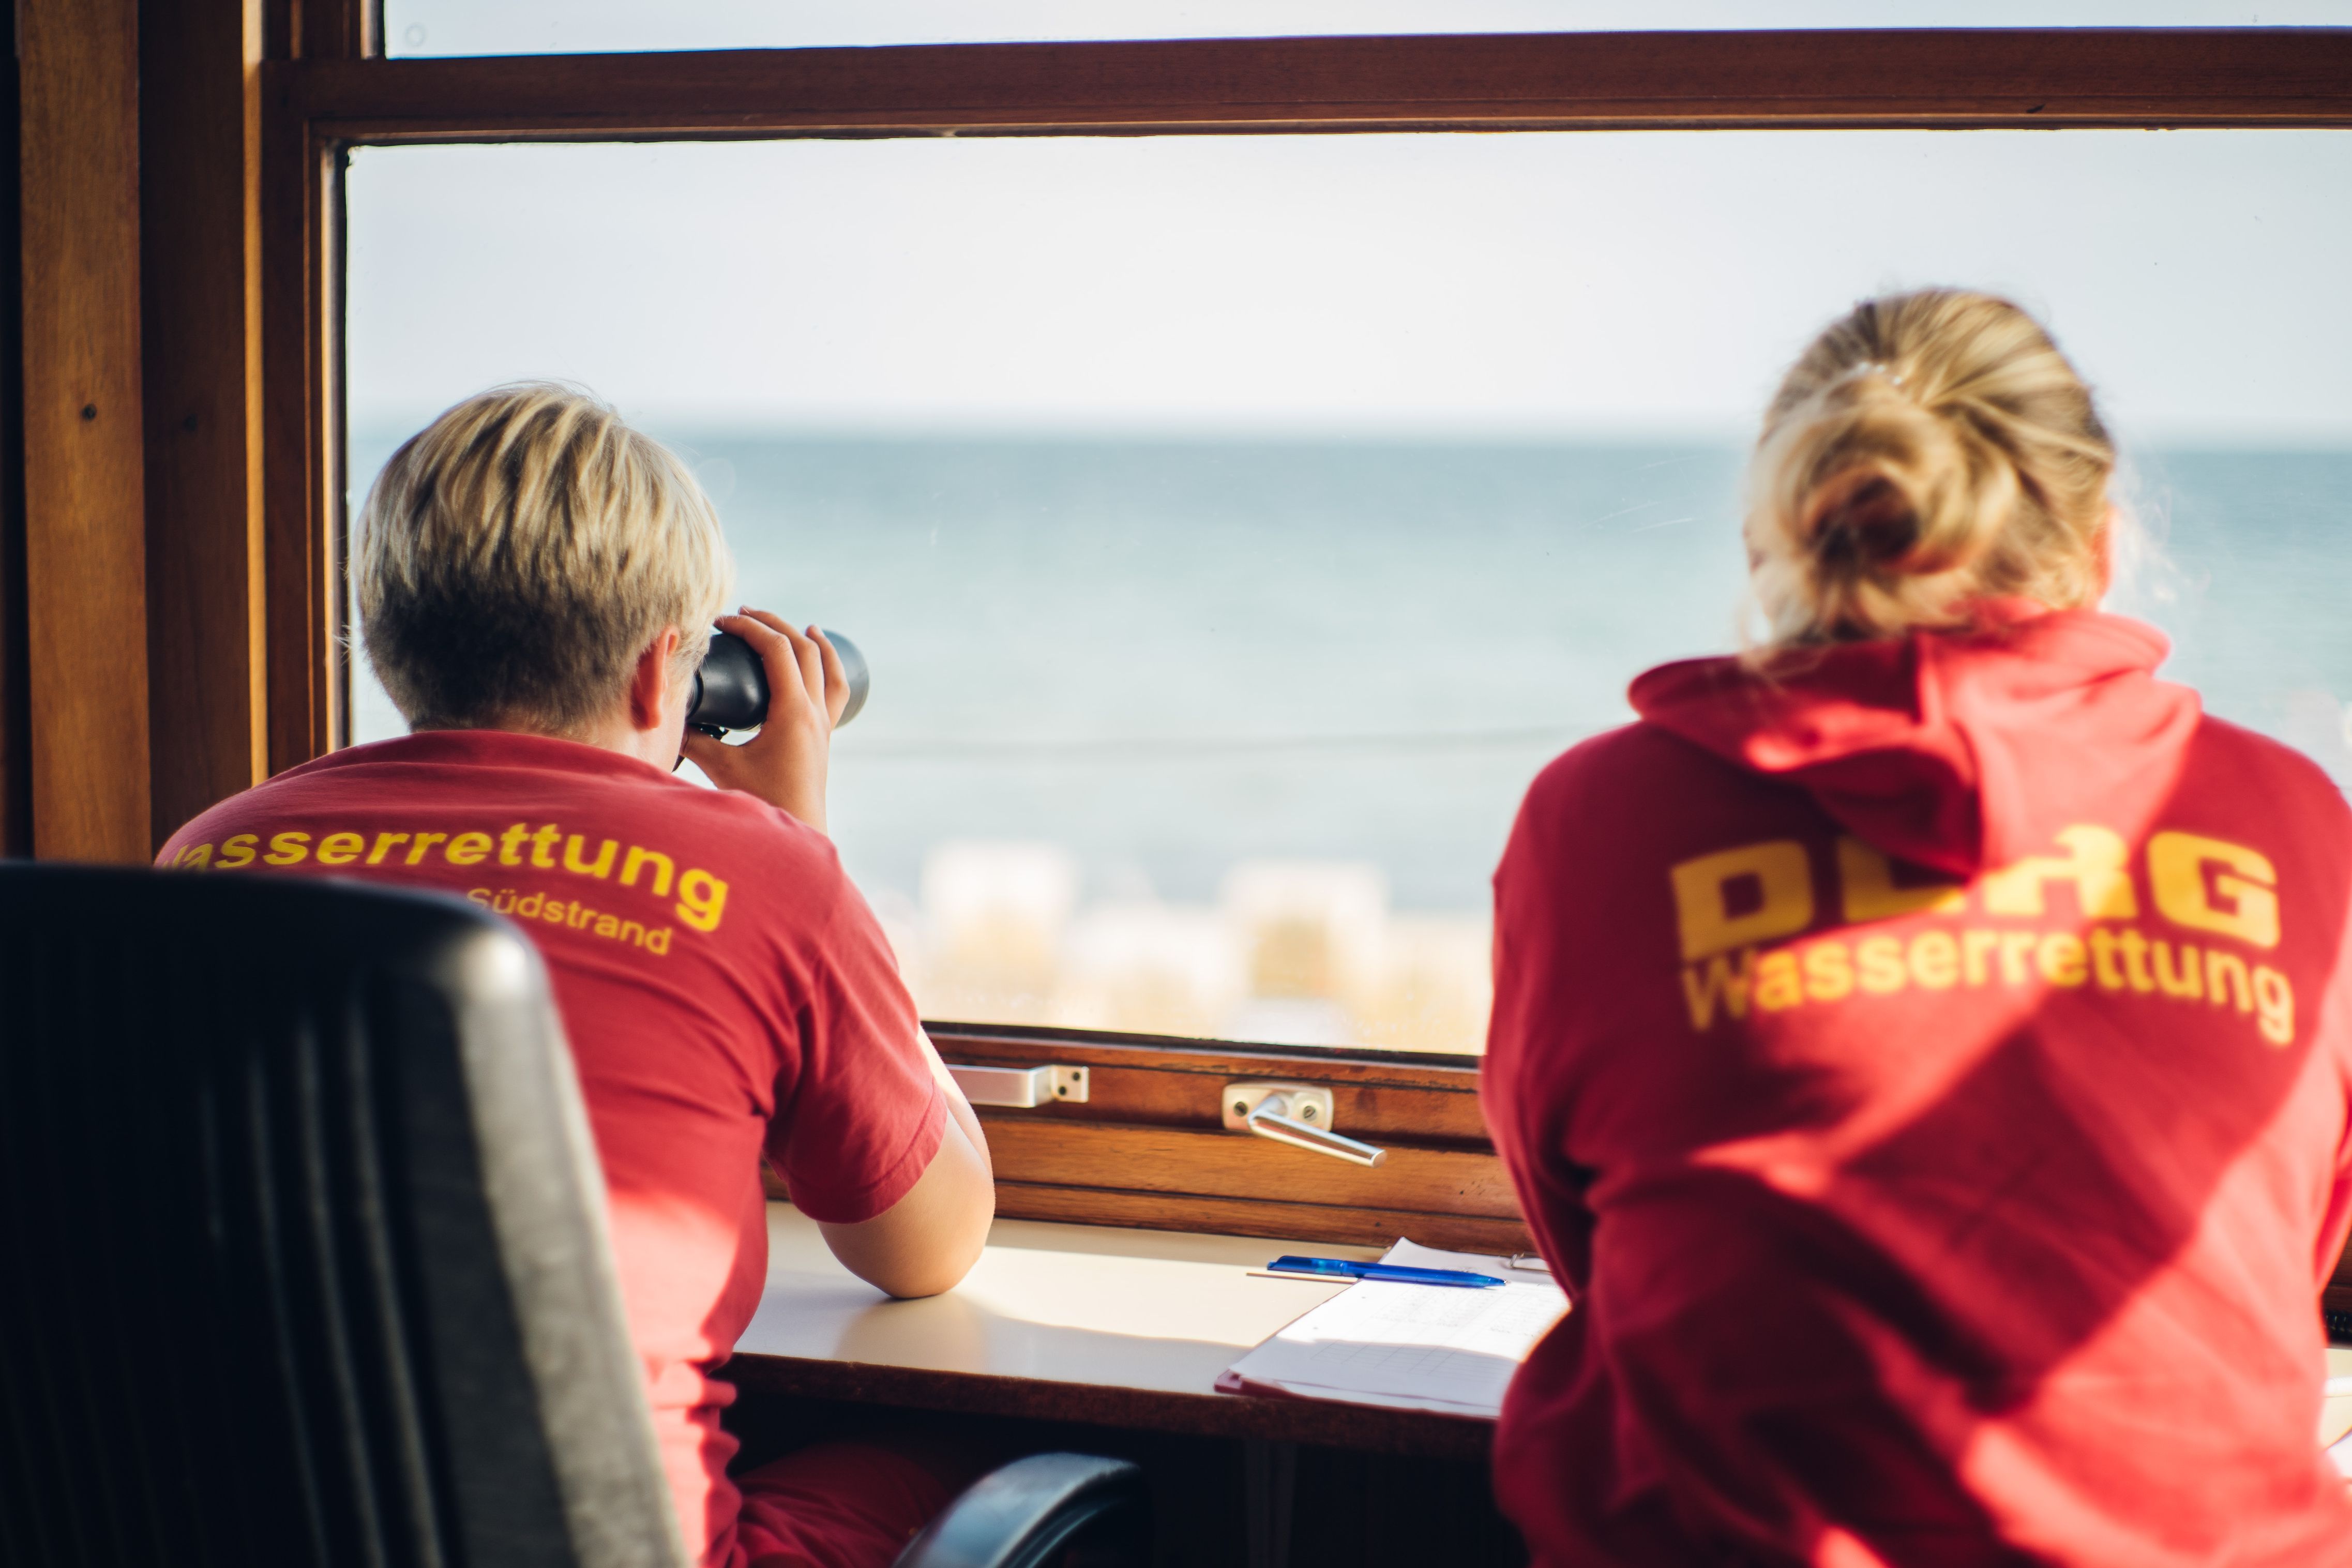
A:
(1236, 524)
(575, 26)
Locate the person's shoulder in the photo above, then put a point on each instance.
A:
(239, 811)
(2246, 767)
(753, 832)
(784, 875)
(1634, 763)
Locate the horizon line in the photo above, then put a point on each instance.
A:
(681, 427)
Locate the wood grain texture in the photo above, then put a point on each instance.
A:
(16, 720)
(85, 522)
(1359, 1428)
(1908, 78)
(1276, 1220)
(200, 225)
(1237, 1166)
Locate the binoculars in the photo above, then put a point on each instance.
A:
(730, 690)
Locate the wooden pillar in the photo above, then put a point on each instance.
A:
(85, 510)
(200, 159)
(15, 728)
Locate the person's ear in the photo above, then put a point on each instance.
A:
(653, 696)
(2108, 527)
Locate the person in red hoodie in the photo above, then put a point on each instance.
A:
(1921, 1045)
(537, 586)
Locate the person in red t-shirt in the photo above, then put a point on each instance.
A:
(1921, 1046)
(536, 583)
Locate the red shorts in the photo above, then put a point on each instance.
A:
(835, 1505)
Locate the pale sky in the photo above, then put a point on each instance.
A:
(510, 26)
(1556, 284)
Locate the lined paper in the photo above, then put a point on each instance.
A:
(1428, 1347)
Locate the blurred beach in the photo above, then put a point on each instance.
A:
(1223, 738)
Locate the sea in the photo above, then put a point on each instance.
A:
(1169, 658)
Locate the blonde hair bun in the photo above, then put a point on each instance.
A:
(1928, 451)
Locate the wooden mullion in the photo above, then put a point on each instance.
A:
(296, 337)
(325, 30)
(301, 400)
(358, 29)
(1978, 78)
(331, 703)
(281, 27)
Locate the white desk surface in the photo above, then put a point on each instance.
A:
(2336, 1411)
(1164, 1311)
(1152, 1310)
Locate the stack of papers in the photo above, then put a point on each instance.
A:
(1449, 1348)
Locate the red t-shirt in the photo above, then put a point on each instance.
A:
(1928, 1072)
(725, 990)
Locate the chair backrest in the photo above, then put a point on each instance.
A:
(302, 1239)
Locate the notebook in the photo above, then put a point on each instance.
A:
(1409, 1347)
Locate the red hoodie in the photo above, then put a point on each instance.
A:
(1928, 1072)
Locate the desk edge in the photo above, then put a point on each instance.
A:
(1324, 1423)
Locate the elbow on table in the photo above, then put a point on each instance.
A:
(909, 1267)
(934, 1275)
(928, 1241)
(940, 1261)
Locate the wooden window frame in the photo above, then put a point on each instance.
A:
(1146, 1150)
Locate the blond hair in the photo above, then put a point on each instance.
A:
(1929, 451)
(518, 554)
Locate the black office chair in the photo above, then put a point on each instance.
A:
(302, 1233)
(1072, 1508)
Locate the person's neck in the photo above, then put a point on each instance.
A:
(616, 731)
(612, 732)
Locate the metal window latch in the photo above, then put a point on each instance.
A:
(1295, 1113)
(1022, 1089)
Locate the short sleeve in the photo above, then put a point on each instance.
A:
(864, 1117)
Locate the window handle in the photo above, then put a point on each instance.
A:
(1022, 1089)
(1298, 1114)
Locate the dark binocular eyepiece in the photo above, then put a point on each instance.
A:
(730, 690)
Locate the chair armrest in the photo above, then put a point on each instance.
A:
(1020, 1515)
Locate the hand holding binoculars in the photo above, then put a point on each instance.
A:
(730, 690)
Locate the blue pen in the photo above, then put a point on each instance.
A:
(1396, 1273)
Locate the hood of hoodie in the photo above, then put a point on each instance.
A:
(1953, 749)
